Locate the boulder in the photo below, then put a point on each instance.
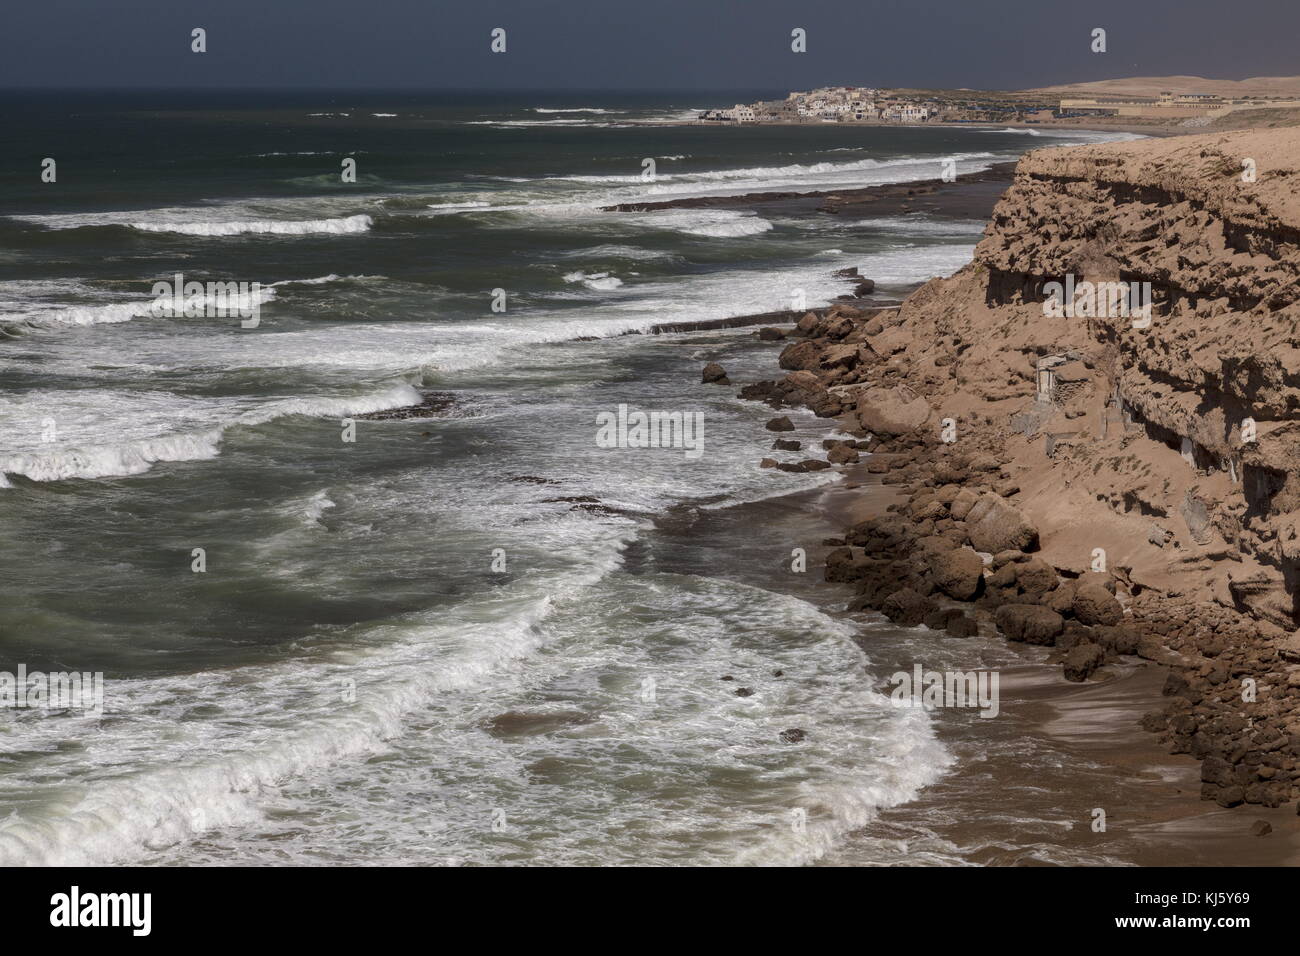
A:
(906, 607)
(808, 324)
(1217, 771)
(769, 334)
(787, 444)
(1267, 794)
(994, 525)
(761, 392)
(1061, 598)
(781, 424)
(842, 356)
(937, 619)
(842, 455)
(804, 380)
(932, 544)
(1073, 635)
(958, 573)
(962, 503)
(715, 374)
(1232, 796)
(1121, 640)
(961, 625)
(1035, 576)
(890, 341)
(837, 326)
(1093, 604)
(892, 411)
(805, 355)
(825, 405)
(1003, 577)
(843, 565)
(1031, 623)
(1082, 660)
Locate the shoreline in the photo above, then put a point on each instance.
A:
(990, 807)
(1158, 819)
(1157, 822)
(1093, 685)
(1086, 127)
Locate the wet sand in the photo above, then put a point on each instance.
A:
(1027, 783)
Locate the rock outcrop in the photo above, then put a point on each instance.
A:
(1103, 410)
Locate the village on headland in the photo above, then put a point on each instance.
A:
(1054, 106)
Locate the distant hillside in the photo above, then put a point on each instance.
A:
(1153, 85)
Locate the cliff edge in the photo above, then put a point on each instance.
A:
(1096, 425)
(1154, 420)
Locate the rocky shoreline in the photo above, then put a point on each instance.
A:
(979, 543)
(957, 556)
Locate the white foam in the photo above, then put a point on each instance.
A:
(279, 216)
(716, 223)
(578, 198)
(779, 176)
(274, 723)
(507, 124)
(619, 251)
(311, 510)
(916, 224)
(600, 281)
(459, 206)
(145, 428)
(345, 225)
(44, 304)
(325, 280)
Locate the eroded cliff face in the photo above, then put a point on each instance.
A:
(1100, 480)
(1169, 450)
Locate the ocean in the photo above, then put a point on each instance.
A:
(330, 635)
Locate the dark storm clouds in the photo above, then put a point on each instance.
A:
(617, 44)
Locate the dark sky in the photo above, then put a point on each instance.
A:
(646, 44)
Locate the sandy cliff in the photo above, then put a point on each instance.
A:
(1100, 479)
(1141, 451)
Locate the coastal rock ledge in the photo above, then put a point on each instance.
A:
(1129, 479)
